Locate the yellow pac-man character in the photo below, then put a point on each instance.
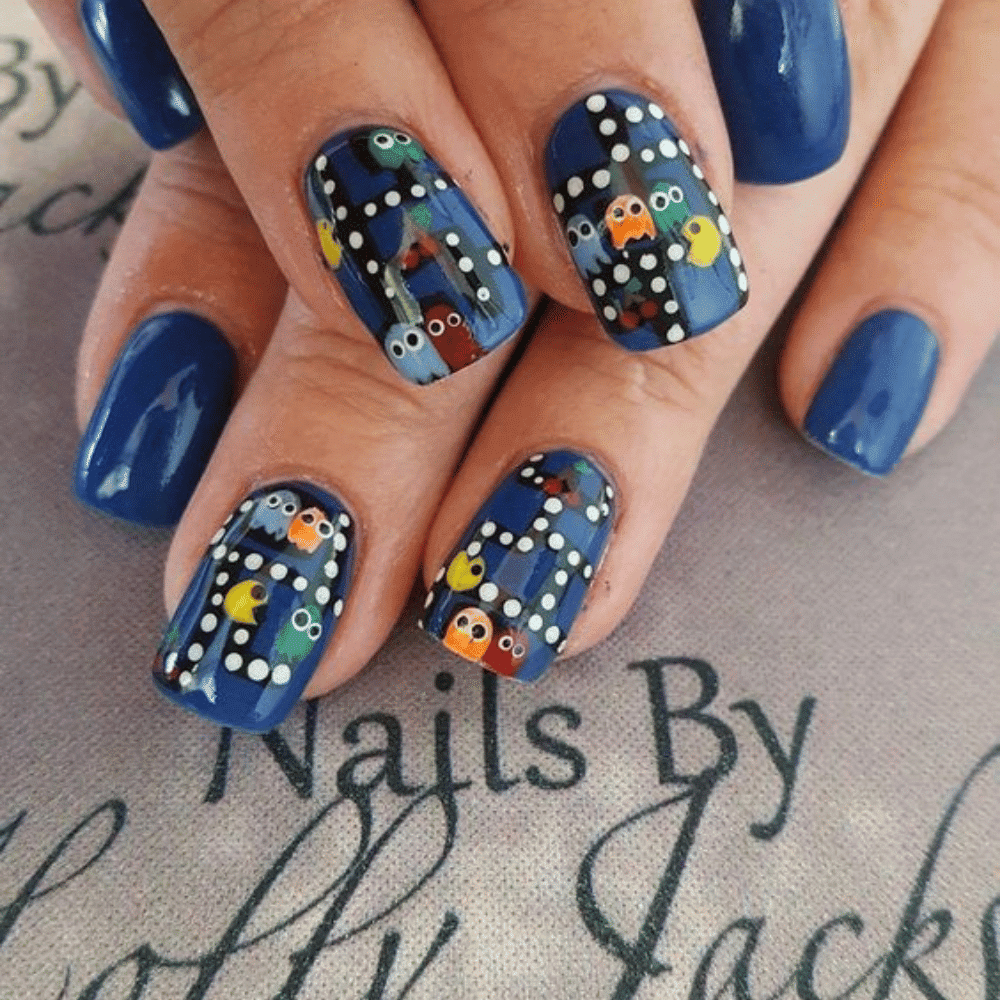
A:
(332, 250)
(464, 573)
(704, 239)
(243, 600)
(469, 634)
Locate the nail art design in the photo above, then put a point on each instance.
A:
(874, 395)
(415, 260)
(153, 430)
(142, 71)
(510, 591)
(648, 237)
(262, 606)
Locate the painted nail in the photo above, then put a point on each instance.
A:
(871, 400)
(510, 591)
(261, 608)
(651, 243)
(414, 259)
(784, 81)
(152, 432)
(141, 70)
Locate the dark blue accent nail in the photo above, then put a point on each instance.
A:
(871, 401)
(413, 257)
(784, 81)
(510, 592)
(263, 604)
(141, 70)
(153, 430)
(653, 247)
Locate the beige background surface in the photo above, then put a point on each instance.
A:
(578, 839)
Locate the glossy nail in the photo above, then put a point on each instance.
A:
(414, 259)
(509, 593)
(648, 237)
(784, 81)
(152, 432)
(263, 604)
(874, 395)
(141, 70)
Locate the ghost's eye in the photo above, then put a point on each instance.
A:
(273, 500)
(308, 517)
(694, 228)
(435, 328)
(676, 194)
(324, 529)
(618, 214)
(505, 643)
(659, 201)
(478, 632)
(383, 140)
(414, 339)
(518, 651)
(635, 207)
(403, 139)
(301, 620)
(315, 631)
(573, 236)
(586, 230)
(289, 509)
(397, 349)
(462, 621)
(454, 319)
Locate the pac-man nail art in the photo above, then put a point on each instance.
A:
(414, 258)
(509, 593)
(265, 600)
(647, 234)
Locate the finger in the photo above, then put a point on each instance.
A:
(351, 178)
(896, 323)
(185, 307)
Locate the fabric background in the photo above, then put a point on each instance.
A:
(582, 838)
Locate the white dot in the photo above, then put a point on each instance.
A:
(608, 126)
(528, 471)
(494, 257)
(535, 622)
(735, 258)
(647, 155)
(338, 608)
(389, 293)
(675, 334)
(541, 524)
(552, 634)
(429, 600)
(441, 184)
(222, 578)
(609, 492)
(622, 273)
(574, 186)
(548, 601)
(452, 239)
(724, 225)
(634, 114)
(279, 571)
(300, 583)
(561, 577)
(648, 261)
(488, 529)
(341, 213)
(465, 264)
(370, 209)
(217, 537)
(473, 549)
(668, 149)
(556, 541)
(234, 557)
(171, 661)
(559, 202)
(713, 198)
(392, 198)
(254, 561)
(561, 646)
(538, 480)
(685, 149)
(593, 513)
(675, 252)
(620, 152)
(605, 509)
(186, 680)
(511, 608)
(525, 544)
(322, 595)
(345, 521)
(658, 285)
(219, 551)
(588, 572)
(671, 307)
(282, 674)
(329, 187)
(596, 103)
(610, 312)
(418, 191)
(489, 592)
(245, 506)
(599, 287)
(655, 110)
(356, 240)
(601, 179)
(506, 538)
(258, 669)
(331, 569)
(372, 267)
(697, 171)
(483, 294)
(208, 622)
(573, 558)
(321, 162)
(536, 458)
(339, 541)
(742, 282)
(233, 662)
(217, 599)
(554, 505)
(195, 652)
(241, 637)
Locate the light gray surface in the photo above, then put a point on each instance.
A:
(792, 577)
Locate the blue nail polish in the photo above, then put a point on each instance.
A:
(141, 70)
(871, 401)
(784, 81)
(510, 592)
(649, 240)
(153, 430)
(413, 257)
(263, 604)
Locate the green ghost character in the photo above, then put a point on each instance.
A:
(392, 148)
(298, 636)
(669, 206)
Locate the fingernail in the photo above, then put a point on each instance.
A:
(648, 237)
(413, 257)
(152, 432)
(784, 81)
(510, 592)
(263, 604)
(874, 395)
(141, 70)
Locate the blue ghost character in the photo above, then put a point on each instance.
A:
(413, 355)
(585, 245)
(274, 513)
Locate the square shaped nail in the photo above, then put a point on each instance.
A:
(413, 257)
(509, 593)
(263, 604)
(871, 400)
(648, 237)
